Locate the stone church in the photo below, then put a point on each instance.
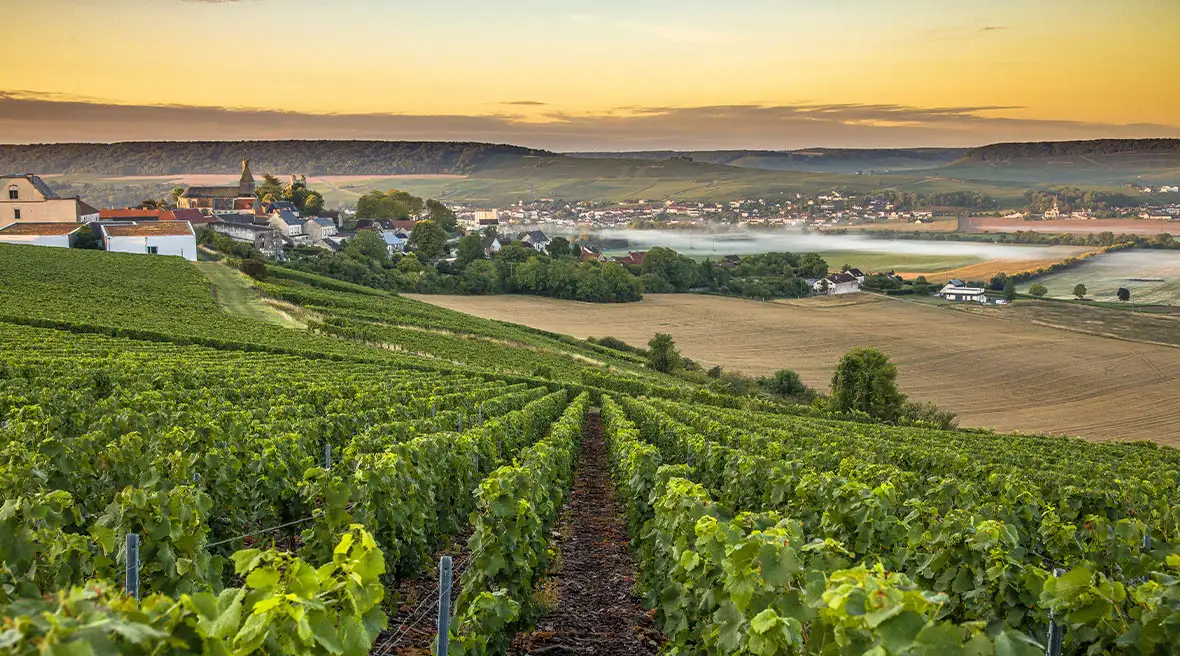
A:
(231, 198)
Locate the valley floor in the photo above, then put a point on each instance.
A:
(1009, 375)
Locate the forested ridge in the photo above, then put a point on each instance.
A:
(308, 157)
(1040, 149)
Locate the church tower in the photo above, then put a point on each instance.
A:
(246, 185)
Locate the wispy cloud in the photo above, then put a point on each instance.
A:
(673, 32)
(993, 28)
(27, 117)
(524, 103)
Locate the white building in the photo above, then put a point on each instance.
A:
(395, 242)
(953, 292)
(157, 238)
(837, 283)
(287, 223)
(26, 198)
(62, 235)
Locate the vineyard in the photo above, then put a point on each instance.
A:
(280, 487)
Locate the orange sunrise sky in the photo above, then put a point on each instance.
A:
(581, 75)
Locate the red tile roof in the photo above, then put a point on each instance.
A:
(155, 229)
(45, 229)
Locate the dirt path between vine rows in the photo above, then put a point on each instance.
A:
(595, 611)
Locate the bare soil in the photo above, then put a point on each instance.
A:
(595, 611)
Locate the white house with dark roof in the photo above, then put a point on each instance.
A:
(287, 223)
(61, 235)
(154, 238)
(837, 283)
(958, 293)
(25, 198)
(537, 239)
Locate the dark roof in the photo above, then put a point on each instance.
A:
(841, 278)
(85, 208)
(135, 215)
(488, 241)
(855, 272)
(404, 224)
(374, 224)
(46, 229)
(235, 218)
(281, 205)
(192, 216)
(536, 236)
(319, 220)
(289, 218)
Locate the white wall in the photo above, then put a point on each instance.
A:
(60, 241)
(181, 245)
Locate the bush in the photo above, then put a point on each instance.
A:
(785, 382)
(615, 344)
(256, 269)
(1037, 289)
(662, 355)
(926, 412)
(866, 380)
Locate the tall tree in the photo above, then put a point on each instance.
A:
(1009, 290)
(469, 250)
(442, 215)
(662, 354)
(1124, 294)
(866, 380)
(369, 244)
(428, 240)
(1079, 290)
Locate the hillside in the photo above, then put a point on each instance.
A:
(149, 158)
(818, 160)
(1006, 152)
(180, 479)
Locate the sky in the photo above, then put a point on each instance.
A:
(592, 74)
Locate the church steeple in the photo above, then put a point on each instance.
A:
(246, 185)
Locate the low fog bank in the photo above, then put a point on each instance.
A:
(747, 242)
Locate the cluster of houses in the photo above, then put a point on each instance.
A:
(32, 213)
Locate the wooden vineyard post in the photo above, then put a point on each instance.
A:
(1056, 631)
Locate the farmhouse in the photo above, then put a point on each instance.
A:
(234, 198)
(837, 283)
(62, 235)
(155, 238)
(26, 198)
(958, 293)
(537, 239)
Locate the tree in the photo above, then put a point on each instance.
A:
(1037, 289)
(313, 204)
(88, 239)
(270, 187)
(409, 264)
(785, 383)
(176, 194)
(256, 269)
(1079, 290)
(469, 250)
(1009, 290)
(558, 247)
(442, 215)
(813, 266)
(428, 240)
(1124, 294)
(368, 243)
(866, 380)
(481, 277)
(662, 354)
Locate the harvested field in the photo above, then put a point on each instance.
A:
(937, 225)
(1151, 276)
(994, 372)
(985, 270)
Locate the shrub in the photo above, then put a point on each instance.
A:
(1037, 289)
(256, 269)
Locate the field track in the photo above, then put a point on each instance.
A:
(995, 373)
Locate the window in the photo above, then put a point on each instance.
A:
(16, 214)
(153, 250)
(13, 192)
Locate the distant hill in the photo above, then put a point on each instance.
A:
(818, 160)
(309, 157)
(1004, 152)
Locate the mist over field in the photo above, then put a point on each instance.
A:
(745, 242)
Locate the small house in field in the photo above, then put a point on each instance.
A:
(856, 273)
(61, 235)
(155, 238)
(837, 283)
(961, 294)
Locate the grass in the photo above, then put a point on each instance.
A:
(236, 295)
(1104, 274)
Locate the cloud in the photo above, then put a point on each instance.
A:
(526, 103)
(27, 117)
(666, 31)
(993, 28)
